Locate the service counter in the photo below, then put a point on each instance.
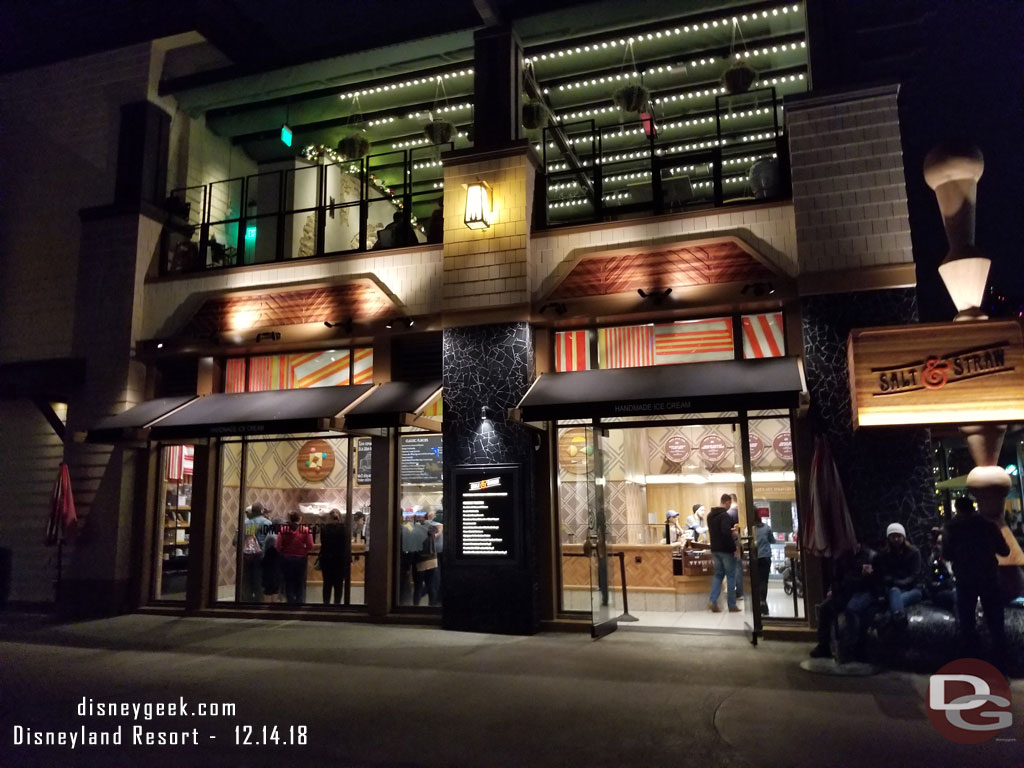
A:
(649, 568)
(313, 576)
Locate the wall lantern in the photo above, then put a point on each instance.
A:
(478, 205)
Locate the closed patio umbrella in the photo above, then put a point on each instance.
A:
(829, 532)
(62, 518)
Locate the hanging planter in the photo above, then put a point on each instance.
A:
(535, 115)
(739, 77)
(354, 146)
(631, 98)
(439, 131)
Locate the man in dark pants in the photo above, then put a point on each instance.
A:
(971, 543)
(853, 591)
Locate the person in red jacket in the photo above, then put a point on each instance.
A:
(294, 543)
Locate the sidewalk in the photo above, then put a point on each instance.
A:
(401, 696)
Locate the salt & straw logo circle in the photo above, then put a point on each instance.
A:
(969, 701)
(677, 449)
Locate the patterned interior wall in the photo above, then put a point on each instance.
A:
(886, 472)
(274, 481)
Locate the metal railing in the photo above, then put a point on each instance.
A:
(388, 200)
(636, 167)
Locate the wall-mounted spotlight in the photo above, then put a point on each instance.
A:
(558, 307)
(345, 325)
(478, 205)
(486, 413)
(400, 322)
(268, 336)
(654, 295)
(758, 290)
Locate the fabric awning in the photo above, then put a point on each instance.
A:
(728, 385)
(394, 404)
(127, 425)
(259, 413)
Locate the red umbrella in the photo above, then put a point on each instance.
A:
(62, 509)
(829, 530)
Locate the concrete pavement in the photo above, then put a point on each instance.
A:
(372, 695)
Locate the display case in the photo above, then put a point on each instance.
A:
(175, 520)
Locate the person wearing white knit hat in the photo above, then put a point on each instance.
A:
(900, 566)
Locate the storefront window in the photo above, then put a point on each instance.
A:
(174, 521)
(683, 341)
(284, 532)
(774, 484)
(572, 351)
(421, 520)
(327, 368)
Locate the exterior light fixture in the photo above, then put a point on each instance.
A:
(286, 135)
(268, 336)
(399, 322)
(478, 205)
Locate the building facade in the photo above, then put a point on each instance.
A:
(508, 295)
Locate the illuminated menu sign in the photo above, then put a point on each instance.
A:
(485, 503)
(364, 465)
(421, 459)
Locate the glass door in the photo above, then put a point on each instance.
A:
(602, 606)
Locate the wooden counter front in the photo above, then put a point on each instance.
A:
(648, 567)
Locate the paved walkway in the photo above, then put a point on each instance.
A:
(411, 697)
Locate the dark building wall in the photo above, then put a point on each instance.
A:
(492, 366)
(886, 471)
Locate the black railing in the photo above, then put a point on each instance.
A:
(630, 168)
(389, 200)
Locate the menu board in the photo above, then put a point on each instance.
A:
(421, 459)
(485, 502)
(364, 467)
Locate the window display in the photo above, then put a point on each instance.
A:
(175, 518)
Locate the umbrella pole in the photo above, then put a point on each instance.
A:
(60, 563)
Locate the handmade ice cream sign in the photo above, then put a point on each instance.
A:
(941, 373)
(316, 460)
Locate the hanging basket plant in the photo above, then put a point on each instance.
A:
(439, 131)
(631, 98)
(354, 146)
(535, 115)
(739, 77)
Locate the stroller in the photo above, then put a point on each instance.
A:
(791, 578)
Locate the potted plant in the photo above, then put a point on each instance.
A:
(739, 77)
(439, 131)
(535, 115)
(354, 146)
(631, 98)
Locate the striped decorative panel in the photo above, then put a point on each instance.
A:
(362, 368)
(270, 372)
(572, 351)
(179, 461)
(319, 369)
(626, 347)
(234, 375)
(693, 341)
(762, 335)
(435, 409)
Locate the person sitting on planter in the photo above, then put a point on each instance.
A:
(900, 566)
(854, 588)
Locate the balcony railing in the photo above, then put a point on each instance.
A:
(382, 201)
(636, 167)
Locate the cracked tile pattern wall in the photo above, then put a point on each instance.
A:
(886, 472)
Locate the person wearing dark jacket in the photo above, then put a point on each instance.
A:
(971, 543)
(723, 552)
(900, 570)
(334, 556)
(854, 588)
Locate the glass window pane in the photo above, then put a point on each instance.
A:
(572, 351)
(174, 520)
(234, 375)
(421, 520)
(763, 335)
(685, 341)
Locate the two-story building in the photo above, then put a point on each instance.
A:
(530, 295)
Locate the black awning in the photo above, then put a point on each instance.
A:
(389, 403)
(728, 385)
(126, 425)
(259, 413)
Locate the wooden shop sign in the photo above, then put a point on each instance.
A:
(315, 460)
(939, 373)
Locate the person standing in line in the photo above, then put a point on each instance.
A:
(723, 551)
(294, 543)
(971, 543)
(732, 501)
(272, 565)
(412, 540)
(764, 537)
(900, 567)
(334, 556)
(254, 538)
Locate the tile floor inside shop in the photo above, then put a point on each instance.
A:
(661, 610)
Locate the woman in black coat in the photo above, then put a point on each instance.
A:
(334, 556)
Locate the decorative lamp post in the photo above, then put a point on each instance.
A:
(952, 171)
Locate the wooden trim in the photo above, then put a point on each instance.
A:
(876, 278)
(58, 426)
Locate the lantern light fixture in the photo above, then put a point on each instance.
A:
(478, 205)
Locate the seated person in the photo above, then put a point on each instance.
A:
(939, 584)
(899, 564)
(398, 234)
(854, 587)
